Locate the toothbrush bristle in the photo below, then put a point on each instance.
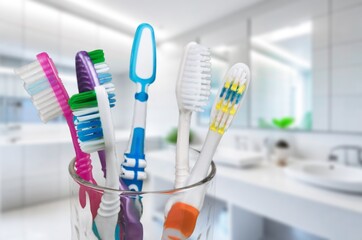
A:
(102, 70)
(87, 121)
(193, 90)
(42, 83)
(229, 98)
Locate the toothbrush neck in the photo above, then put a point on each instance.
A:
(139, 114)
(136, 142)
(142, 92)
(83, 161)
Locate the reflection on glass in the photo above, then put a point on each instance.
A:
(282, 79)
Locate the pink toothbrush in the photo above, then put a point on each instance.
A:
(49, 96)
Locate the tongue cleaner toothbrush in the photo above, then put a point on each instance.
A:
(192, 93)
(181, 218)
(95, 132)
(93, 71)
(143, 73)
(49, 96)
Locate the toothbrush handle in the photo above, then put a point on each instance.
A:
(107, 216)
(102, 159)
(134, 164)
(129, 217)
(187, 206)
(83, 162)
(84, 168)
(202, 165)
(182, 149)
(196, 197)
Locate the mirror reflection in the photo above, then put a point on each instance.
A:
(282, 78)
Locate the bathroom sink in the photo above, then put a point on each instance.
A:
(327, 175)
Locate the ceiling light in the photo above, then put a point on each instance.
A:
(6, 70)
(287, 33)
(222, 49)
(280, 52)
(111, 14)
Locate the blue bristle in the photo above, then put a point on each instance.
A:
(104, 78)
(90, 130)
(38, 86)
(233, 95)
(222, 92)
(88, 124)
(112, 99)
(228, 94)
(238, 98)
(90, 134)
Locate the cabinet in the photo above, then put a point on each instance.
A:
(262, 203)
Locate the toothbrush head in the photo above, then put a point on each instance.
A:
(104, 78)
(86, 73)
(143, 56)
(85, 107)
(46, 89)
(92, 71)
(194, 82)
(230, 97)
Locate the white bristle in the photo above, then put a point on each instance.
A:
(30, 72)
(42, 94)
(194, 83)
(101, 67)
(92, 146)
(104, 68)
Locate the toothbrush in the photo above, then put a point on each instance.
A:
(93, 71)
(95, 132)
(49, 96)
(143, 73)
(181, 218)
(192, 93)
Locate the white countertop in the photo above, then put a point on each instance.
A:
(267, 191)
(42, 222)
(62, 136)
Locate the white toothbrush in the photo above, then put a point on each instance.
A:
(181, 218)
(95, 132)
(192, 93)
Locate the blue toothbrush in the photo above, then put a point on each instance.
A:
(143, 73)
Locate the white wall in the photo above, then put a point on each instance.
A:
(346, 53)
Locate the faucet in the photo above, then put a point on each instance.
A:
(268, 144)
(332, 157)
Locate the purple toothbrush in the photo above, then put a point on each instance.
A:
(87, 79)
(93, 71)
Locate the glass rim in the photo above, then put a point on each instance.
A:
(79, 180)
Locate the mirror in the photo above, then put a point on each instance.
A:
(281, 93)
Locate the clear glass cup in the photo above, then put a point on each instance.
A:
(142, 214)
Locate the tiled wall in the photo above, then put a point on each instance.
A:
(24, 33)
(36, 173)
(346, 66)
(63, 34)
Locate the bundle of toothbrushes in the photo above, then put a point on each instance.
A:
(89, 118)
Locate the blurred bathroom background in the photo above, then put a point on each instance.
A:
(306, 62)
